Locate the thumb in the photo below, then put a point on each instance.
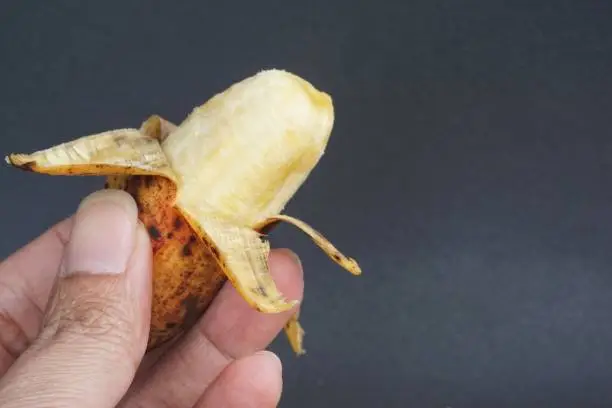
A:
(97, 321)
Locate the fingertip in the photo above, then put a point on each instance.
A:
(258, 377)
(267, 385)
(236, 328)
(286, 269)
(286, 258)
(117, 197)
(270, 360)
(103, 234)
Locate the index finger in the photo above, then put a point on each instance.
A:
(26, 278)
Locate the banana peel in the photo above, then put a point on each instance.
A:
(208, 190)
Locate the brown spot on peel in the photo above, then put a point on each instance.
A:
(178, 223)
(154, 232)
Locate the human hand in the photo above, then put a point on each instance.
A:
(74, 321)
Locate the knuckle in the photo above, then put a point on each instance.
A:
(93, 317)
(99, 314)
(13, 339)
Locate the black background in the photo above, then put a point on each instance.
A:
(469, 172)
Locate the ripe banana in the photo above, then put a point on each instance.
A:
(208, 188)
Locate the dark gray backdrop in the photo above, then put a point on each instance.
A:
(469, 171)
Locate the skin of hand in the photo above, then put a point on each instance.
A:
(75, 314)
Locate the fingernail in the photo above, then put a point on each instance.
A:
(103, 234)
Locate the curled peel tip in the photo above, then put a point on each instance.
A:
(353, 267)
(12, 159)
(21, 161)
(346, 262)
(16, 159)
